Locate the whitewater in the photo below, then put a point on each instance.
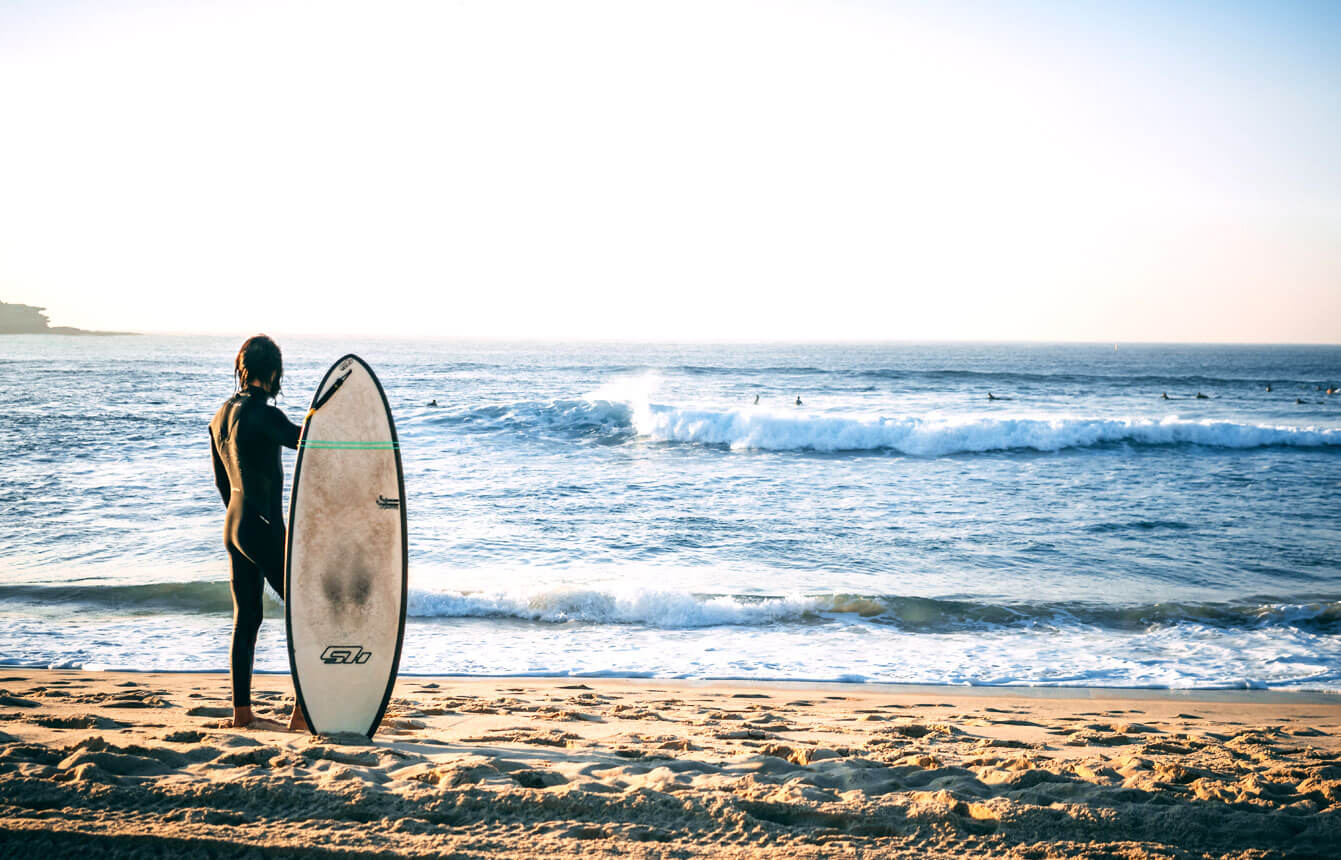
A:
(770, 429)
(631, 510)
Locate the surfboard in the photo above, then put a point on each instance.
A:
(346, 570)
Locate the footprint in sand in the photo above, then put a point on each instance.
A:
(207, 711)
(139, 699)
(81, 721)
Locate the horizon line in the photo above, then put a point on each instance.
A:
(585, 339)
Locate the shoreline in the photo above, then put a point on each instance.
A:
(138, 763)
(1039, 691)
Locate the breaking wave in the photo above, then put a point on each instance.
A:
(671, 609)
(613, 421)
(676, 609)
(742, 429)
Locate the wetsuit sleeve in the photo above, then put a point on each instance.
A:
(282, 430)
(220, 473)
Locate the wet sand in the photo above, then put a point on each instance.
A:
(120, 764)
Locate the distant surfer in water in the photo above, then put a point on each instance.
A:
(245, 438)
(798, 400)
(991, 396)
(433, 402)
(1164, 396)
(1201, 396)
(756, 400)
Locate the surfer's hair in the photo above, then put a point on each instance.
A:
(259, 361)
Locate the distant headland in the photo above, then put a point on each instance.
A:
(26, 319)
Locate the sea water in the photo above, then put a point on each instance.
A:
(630, 510)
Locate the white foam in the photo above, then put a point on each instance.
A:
(654, 608)
(773, 430)
(1178, 657)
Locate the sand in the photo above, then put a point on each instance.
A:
(111, 764)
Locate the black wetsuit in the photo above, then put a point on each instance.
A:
(245, 437)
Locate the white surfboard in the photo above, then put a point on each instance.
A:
(346, 568)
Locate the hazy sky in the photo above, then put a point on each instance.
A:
(676, 170)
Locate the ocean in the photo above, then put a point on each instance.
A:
(629, 510)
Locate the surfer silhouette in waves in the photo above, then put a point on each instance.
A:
(245, 437)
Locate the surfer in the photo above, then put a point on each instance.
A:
(1201, 396)
(245, 438)
(798, 400)
(1164, 396)
(756, 400)
(433, 402)
(1268, 389)
(991, 396)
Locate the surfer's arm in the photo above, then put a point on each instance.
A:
(285, 432)
(220, 474)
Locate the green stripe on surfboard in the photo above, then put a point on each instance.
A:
(347, 445)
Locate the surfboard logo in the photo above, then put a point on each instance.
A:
(384, 502)
(348, 655)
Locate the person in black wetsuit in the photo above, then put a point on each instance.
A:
(245, 438)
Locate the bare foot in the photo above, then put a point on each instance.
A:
(243, 718)
(264, 725)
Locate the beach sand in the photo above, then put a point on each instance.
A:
(120, 764)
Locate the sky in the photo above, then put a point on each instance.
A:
(722, 170)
